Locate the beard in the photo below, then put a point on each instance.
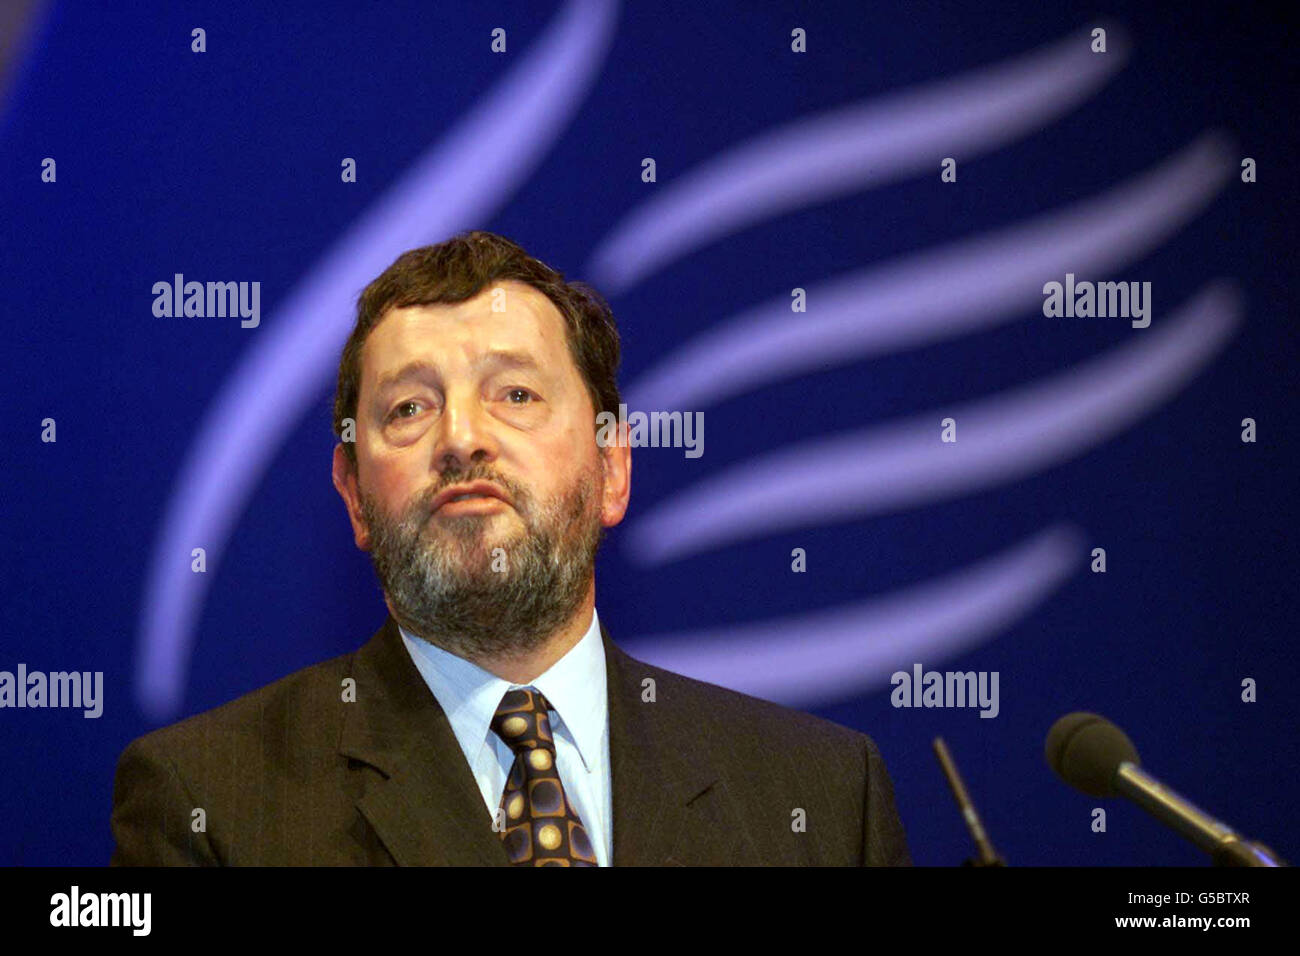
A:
(446, 582)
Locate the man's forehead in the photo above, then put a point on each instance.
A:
(524, 320)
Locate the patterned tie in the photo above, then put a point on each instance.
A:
(541, 826)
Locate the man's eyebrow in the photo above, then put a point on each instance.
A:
(509, 358)
(506, 358)
(415, 369)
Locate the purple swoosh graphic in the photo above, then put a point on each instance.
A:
(877, 141)
(928, 296)
(457, 184)
(904, 463)
(837, 653)
(21, 24)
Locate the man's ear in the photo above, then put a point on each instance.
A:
(616, 462)
(345, 483)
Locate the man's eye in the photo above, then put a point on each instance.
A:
(398, 411)
(527, 396)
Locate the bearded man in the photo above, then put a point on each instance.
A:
(491, 720)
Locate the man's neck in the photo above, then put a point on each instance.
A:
(526, 668)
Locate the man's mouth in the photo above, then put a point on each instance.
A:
(471, 504)
(471, 498)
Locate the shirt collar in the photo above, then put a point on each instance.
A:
(469, 695)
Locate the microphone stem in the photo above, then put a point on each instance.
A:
(1213, 836)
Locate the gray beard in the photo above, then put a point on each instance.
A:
(439, 579)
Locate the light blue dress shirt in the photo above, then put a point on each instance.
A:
(575, 688)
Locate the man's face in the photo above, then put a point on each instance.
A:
(453, 395)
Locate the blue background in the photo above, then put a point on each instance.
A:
(225, 165)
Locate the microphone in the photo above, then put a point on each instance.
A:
(985, 854)
(1091, 754)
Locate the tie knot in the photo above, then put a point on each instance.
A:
(522, 722)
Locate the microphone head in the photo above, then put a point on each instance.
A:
(1086, 750)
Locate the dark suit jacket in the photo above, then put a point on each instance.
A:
(292, 774)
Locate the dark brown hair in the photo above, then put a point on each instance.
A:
(459, 269)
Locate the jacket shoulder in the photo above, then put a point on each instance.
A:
(836, 774)
(720, 707)
(295, 702)
(281, 739)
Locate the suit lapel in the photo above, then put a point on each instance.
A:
(664, 793)
(424, 803)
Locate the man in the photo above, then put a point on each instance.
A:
(491, 720)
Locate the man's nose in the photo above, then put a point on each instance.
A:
(466, 434)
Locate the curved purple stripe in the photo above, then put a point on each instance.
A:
(852, 148)
(905, 463)
(927, 296)
(25, 27)
(833, 654)
(459, 183)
